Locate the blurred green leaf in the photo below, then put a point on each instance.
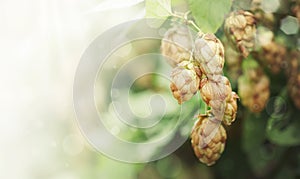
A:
(209, 15)
(285, 172)
(253, 131)
(283, 125)
(158, 8)
(241, 4)
(262, 154)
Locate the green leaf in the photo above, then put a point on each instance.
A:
(209, 14)
(158, 8)
(260, 152)
(285, 172)
(242, 4)
(284, 124)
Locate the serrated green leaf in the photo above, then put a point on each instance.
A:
(209, 14)
(158, 8)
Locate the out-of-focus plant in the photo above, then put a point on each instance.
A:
(261, 62)
(261, 42)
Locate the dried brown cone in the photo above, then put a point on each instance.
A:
(208, 146)
(273, 55)
(254, 90)
(176, 45)
(185, 81)
(240, 29)
(209, 53)
(294, 78)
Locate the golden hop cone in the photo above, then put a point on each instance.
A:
(215, 90)
(294, 78)
(274, 56)
(240, 29)
(230, 109)
(176, 45)
(208, 146)
(254, 90)
(209, 53)
(185, 81)
(215, 94)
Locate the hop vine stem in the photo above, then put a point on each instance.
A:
(184, 17)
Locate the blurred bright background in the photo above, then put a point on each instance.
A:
(41, 44)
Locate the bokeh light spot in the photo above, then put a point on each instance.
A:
(270, 6)
(289, 25)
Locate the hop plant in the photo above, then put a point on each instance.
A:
(176, 45)
(254, 87)
(208, 140)
(254, 53)
(202, 70)
(294, 78)
(209, 53)
(240, 28)
(185, 81)
(274, 56)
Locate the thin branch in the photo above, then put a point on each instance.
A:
(184, 17)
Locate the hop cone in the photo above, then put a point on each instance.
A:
(294, 78)
(176, 45)
(209, 52)
(208, 140)
(185, 81)
(215, 94)
(230, 109)
(254, 89)
(274, 56)
(240, 29)
(215, 90)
